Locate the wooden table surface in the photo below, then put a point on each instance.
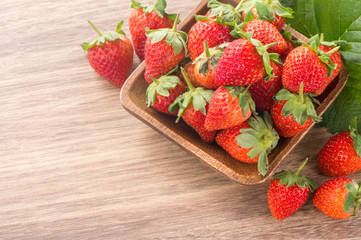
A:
(75, 165)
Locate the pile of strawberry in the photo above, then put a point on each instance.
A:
(239, 79)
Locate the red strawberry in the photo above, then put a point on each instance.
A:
(111, 55)
(193, 106)
(289, 48)
(292, 113)
(266, 33)
(336, 59)
(278, 20)
(263, 91)
(164, 50)
(250, 142)
(145, 16)
(206, 63)
(163, 92)
(209, 30)
(341, 156)
(338, 197)
(229, 107)
(288, 192)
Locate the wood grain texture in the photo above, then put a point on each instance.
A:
(75, 165)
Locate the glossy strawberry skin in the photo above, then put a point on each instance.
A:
(286, 126)
(283, 201)
(210, 31)
(289, 48)
(160, 59)
(263, 92)
(224, 111)
(162, 103)
(205, 81)
(138, 21)
(189, 68)
(336, 59)
(338, 157)
(240, 65)
(113, 60)
(196, 120)
(278, 23)
(227, 140)
(330, 197)
(303, 65)
(266, 33)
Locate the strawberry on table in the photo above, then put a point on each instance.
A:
(292, 113)
(341, 155)
(229, 106)
(164, 49)
(250, 142)
(192, 108)
(162, 92)
(110, 55)
(147, 16)
(288, 192)
(338, 197)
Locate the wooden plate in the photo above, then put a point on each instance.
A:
(133, 99)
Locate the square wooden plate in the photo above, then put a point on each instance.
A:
(133, 98)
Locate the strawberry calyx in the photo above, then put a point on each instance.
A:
(159, 7)
(109, 36)
(226, 11)
(299, 105)
(353, 199)
(198, 97)
(161, 86)
(244, 97)
(210, 57)
(288, 36)
(355, 136)
(261, 138)
(178, 40)
(261, 49)
(219, 19)
(266, 9)
(289, 178)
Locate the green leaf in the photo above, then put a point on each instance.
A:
(263, 12)
(249, 16)
(246, 140)
(160, 6)
(262, 163)
(199, 103)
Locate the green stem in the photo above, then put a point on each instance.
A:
(206, 50)
(95, 28)
(239, 5)
(300, 94)
(302, 165)
(333, 50)
(191, 88)
(174, 28)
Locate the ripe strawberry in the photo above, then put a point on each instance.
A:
(229, 107)
(206, 63)
(189, 68)
(288, 192)
(266, 33)
(251, 141)
(341, 156)
(336, 59)
(193, 106)
(111, 55)
(338, 197)
(263, 91)
(164, 50)
(209, 30)
(292, 113)
(146, 16)
(278, 20)
(289, 48)
(163, 92)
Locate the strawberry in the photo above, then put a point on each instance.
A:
(341, 156)
(251, 141)
(266, 33)
(229, 106)
(189, 68)
(288, 192)
(292, 113)
(206, 63)
(268, 10)
(164, 50)
(146, 16)
(110, 55)
(263, 91)
(244, 61)
(162, 92)
(193, 106)
(308, 65)
(338, 197)
(206, 29)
